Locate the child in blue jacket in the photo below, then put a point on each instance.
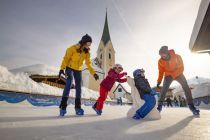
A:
(146, 93)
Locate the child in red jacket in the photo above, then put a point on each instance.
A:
(114, 75)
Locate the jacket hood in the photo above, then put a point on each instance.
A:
(171, 52)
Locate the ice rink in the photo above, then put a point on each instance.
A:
(25, 122)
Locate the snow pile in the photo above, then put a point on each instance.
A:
(21, 82)
(41, 69)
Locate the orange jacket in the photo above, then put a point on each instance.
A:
(172, 67)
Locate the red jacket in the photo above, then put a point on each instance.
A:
(111, 78)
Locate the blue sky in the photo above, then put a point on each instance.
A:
(39, 31)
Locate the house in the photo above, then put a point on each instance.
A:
(50, 80)
(120, 91)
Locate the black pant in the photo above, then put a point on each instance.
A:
(169, 104)
(182, 80)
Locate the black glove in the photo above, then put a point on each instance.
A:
(96, 76)
(158, 85)
(61, 72)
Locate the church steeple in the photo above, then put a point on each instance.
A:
(106, 52)
(106, 36)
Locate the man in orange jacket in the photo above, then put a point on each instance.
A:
(171, 66)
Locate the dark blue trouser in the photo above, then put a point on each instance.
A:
(148, 105)
(77, 77)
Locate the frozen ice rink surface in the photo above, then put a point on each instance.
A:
(25, 122)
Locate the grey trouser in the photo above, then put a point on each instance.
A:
(182, 80)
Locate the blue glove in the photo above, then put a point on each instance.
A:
(152, 92)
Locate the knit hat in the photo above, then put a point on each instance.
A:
(116, 66)
(86, 38)
(163, 50)
(138, 72)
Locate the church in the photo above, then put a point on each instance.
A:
(102, 63)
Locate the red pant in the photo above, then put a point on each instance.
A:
(102, 98)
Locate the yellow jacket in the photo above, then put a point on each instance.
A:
(74, 59)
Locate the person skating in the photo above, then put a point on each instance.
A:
(169, 102)
(72, 64)
(171, 66)
(146, 93)
(114, 75)
(176, 103)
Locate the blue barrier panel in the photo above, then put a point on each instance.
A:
(12, 97)
(41, 100)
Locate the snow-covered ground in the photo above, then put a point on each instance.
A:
(26, 122)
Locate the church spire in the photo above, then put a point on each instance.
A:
(106, 36)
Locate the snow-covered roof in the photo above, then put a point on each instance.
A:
(200, 87)
(120, 86)
(41, 69)
(126, 87)
(192, 83)
(201, 90)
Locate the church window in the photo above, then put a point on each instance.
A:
(119, 89)
(109, 56)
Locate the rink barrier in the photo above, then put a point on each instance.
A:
(205, 100)
(43, 100)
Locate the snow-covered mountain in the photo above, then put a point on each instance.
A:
(37, 69)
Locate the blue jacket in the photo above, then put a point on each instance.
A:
(142, 85)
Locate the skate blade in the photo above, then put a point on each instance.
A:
(196, 115)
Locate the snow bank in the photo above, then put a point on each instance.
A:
(41, 69)
(20, 81)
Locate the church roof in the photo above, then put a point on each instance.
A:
(106, 36)
(120, 85)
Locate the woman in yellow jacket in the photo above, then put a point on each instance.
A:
(72, 64)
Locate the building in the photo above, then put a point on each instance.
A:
(102, 63)
(121, 92)
(200, 41)
(200, 88)
(50, 80)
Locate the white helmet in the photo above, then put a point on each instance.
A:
(116, 66)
